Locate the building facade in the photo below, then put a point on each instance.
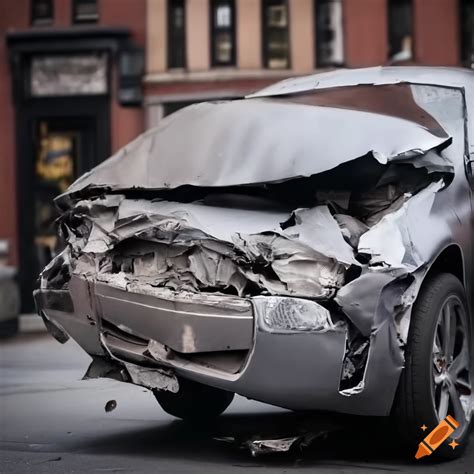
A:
(80, 78)
(70, 89)
(213, 49)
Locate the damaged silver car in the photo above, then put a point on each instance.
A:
(309, 246)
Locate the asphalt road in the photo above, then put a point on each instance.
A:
(51, 421)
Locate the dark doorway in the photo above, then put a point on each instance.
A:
(59, 139)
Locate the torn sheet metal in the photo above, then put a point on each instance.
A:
(378, 75)
(213, 220)
(233, 143)
(101, 367)
(351, 228)
(260, 447)
(177, 249)
(153, 378)
(392, 242)
(287, 432)
(359, 298)
(190, 247)
(58, 272)
(317, 228)
(325, 262)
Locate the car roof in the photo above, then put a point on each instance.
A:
(379, 75)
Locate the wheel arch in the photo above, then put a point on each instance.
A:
(449, 260)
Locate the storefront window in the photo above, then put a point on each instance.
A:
(223, 33)
(176, 34)
(400, 30)
(85, 11)
(329, 33)
(467, 33)
(54, 169)
(42, 12)
(276, 54)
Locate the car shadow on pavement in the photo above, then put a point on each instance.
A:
(340, 439)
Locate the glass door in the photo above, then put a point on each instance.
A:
(63, 148)
(56, 159)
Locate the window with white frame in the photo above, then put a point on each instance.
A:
(223, 32)
(42, 12)
(400, 30)
(176, 34)
(85, 11)
(275, 40)
(329, 33)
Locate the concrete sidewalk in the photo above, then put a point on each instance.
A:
(31, 323)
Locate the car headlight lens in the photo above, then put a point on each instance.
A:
(292, 314)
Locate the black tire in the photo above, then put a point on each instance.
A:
(194, 401)
(422, 381)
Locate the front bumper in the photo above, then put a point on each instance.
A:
(222, 342)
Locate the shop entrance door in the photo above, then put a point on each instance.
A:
(54, 150)
(63, 151)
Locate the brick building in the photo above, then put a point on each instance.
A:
(208, 49)
(70, 89)
(80, 78)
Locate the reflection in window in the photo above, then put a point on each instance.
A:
(176, 34)
(467, 33)
(223, 32)
(275, 34)
(329, 33)
(85, 11)
(54, 173)
(400, 30)
(42, 12)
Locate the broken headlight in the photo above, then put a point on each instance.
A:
(293, 314)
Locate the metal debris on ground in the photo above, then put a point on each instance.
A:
(111, 405)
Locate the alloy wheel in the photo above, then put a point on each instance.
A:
(452, 378)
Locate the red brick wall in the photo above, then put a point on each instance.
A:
(126, 122)
(436, 32)
(16, 15)
(240, 86)
(365, 23)
(129, 13)
(62, 13)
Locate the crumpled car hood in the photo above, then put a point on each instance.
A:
(255, 141)
(316, 214)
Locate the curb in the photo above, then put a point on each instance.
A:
(31, 323)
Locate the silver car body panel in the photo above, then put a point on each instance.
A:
(232, 143)
(299, 351)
